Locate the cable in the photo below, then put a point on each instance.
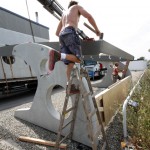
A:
(30, 22)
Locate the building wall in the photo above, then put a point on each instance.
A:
(17, 29)
(12, 37)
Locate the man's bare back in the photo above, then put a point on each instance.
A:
(71, 18)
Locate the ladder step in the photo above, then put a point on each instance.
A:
(87, 94)
(67, 124)
(69, 94)
(64, 138)
(101, 109)
(70, 109)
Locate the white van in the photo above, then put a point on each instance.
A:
(93, 68)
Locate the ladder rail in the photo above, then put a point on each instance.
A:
(96, 107)
(90, 112)
(74, 116)
(65, 111)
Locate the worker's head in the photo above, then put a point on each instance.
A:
(116, 64)
(72, 2)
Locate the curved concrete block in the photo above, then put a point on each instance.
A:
(42, 111)
(107, 79)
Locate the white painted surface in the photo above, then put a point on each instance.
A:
(12, 37)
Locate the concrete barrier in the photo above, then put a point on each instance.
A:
(42, 111)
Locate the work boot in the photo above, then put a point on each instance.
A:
(73, 89)
(54, 57)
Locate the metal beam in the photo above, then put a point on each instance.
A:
(93, 48)
(89, 48)
(101, 46)
(103, 58)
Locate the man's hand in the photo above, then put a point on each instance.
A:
(97, 32)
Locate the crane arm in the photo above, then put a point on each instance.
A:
(56, 10)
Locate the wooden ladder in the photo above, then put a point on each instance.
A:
(89, 114)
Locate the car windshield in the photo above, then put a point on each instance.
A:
(89, 62)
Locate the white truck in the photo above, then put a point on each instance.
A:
(94, 69)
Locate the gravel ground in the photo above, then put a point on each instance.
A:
(11, 128)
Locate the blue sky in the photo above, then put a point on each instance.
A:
(125, 23)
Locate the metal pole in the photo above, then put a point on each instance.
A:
(125, 106)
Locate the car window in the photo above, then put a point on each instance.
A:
(89, 62)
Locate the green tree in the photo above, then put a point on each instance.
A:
(141, 58)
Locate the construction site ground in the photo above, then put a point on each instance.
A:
(11, 128)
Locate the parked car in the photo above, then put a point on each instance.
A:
(93, 68)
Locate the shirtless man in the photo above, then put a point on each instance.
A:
(69, 40)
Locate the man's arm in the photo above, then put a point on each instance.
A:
(59, 27)
(90, 19)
